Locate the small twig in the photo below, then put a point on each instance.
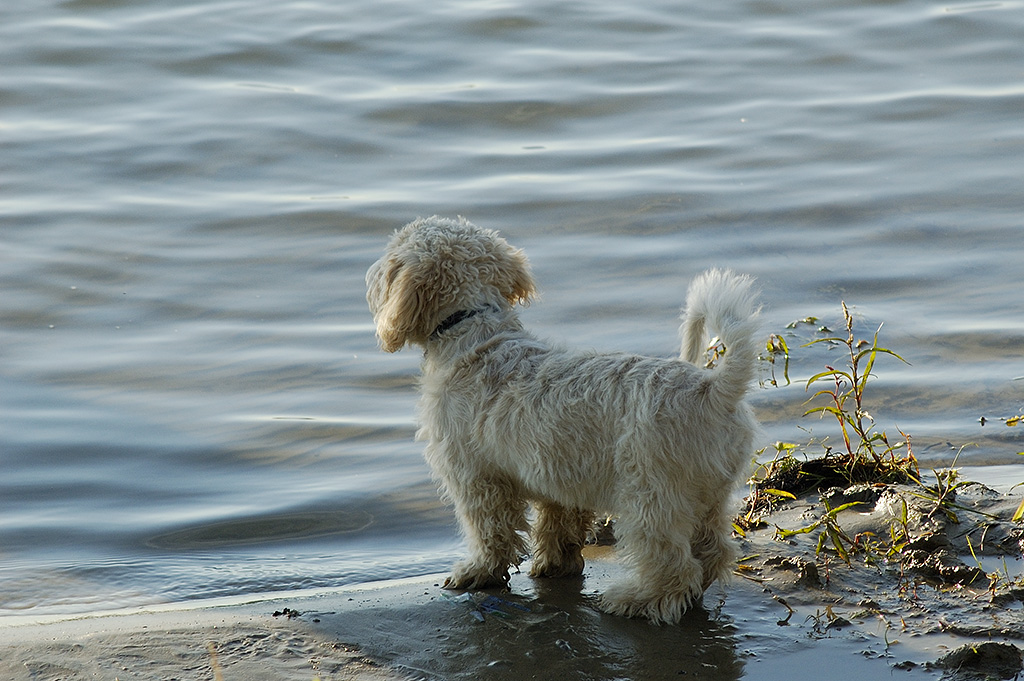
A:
(214, 664)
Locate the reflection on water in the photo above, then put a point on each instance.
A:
(262, 530)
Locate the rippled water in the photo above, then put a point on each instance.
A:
(190, 193)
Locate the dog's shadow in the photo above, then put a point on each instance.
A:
(554, 629)
(548, 629)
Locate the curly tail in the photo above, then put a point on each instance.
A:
(726, 303)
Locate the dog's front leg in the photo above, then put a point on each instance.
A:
(558, 537)
(492, 513)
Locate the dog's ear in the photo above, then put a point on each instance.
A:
(512, 276)
(399, 301)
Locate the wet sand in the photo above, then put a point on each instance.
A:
(779, 620)
(412, 629)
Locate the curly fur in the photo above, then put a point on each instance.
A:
(511, 420)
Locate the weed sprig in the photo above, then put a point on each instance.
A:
(845, 399)
(866, 455)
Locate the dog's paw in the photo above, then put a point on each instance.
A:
(660, 608)
(568, 564)
(469, 577)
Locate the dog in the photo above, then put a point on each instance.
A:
(512, 421)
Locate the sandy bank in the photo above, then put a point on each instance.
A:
(782, 620)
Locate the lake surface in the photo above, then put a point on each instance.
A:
(193, 404)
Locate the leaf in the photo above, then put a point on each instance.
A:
(1014, 420)
(777, 344)
(779, 493)
(833, 512)
(820, 392)
(805, 320)
(862, 383)
(826, 408)
(867, 370)
(837, 542)
(738, 530)
(821, 542)
(971, 548)
(823, 340)
(831, 373)
(873, 350)
(784, 534)
(1019, 513)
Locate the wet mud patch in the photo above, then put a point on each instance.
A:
(982, 661)
(927, 569)
(929, 588)
(920, 576)
(553, 629)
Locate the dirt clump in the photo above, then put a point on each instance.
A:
(981, 661)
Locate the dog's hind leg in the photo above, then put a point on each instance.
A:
(712, 547)
(492, 514)
(558, 537)
(666, 578)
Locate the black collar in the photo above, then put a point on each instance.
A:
(460, 316)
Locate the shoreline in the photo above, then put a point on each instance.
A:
(410, 628)
(792, 611)
(239, 602)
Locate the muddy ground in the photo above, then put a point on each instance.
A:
(792, 613)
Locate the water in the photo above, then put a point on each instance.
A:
(190, 193)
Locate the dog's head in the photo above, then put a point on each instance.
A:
(434, 267)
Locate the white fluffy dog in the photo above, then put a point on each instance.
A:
(512, 420)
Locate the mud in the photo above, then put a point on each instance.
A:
(932, 568)
(945, 601)
(793, 611)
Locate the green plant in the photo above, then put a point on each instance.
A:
(777, 350)
(866, 455)
(869, 455)
(845, 399)
(830, 531)
(1019, 513)
(943, 493)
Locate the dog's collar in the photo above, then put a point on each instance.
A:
(458, 317)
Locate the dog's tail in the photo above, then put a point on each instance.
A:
(725, 303)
